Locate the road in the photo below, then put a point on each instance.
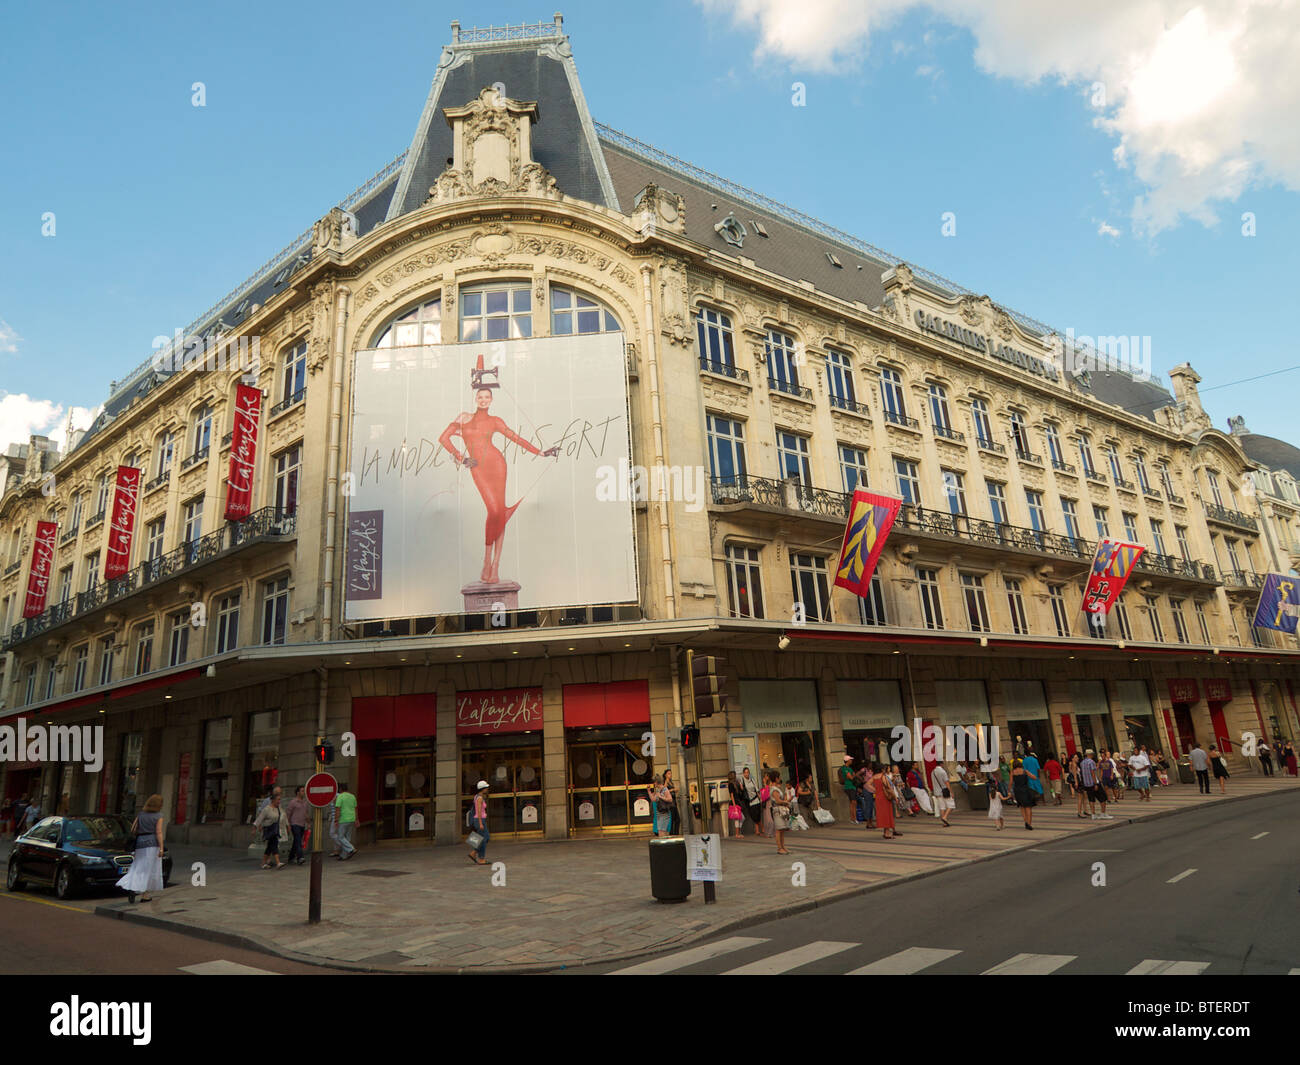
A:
(1210, 891)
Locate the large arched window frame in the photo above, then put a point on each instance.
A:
(502, 310)
(416, 327)
(574, 313)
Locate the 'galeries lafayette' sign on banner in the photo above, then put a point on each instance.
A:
(38, 578)
(117, 559)
(243, 451)
(511, 710)
(985, 345)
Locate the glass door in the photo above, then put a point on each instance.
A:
(514, 775)
(404, 806)
(606, 780)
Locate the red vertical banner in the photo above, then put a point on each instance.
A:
(1067, 730)
(183, 789)
(243, 451)
(117, 559)
(1173, 735)
(38, 578)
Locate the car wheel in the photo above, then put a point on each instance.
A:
(12, 881)
(63, 884)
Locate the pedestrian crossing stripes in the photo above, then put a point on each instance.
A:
(222, 967)
(791, 959)
(1181, 876)
(1030, 965)
(694, 956)
(906, 962)
(1155, 967)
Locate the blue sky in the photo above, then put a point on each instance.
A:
(162, 207)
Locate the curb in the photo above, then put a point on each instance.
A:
(830, 897)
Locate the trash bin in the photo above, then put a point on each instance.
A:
(1186, 775)
(978, 794)
(668, 881)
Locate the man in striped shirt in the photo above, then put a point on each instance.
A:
(1092, 786)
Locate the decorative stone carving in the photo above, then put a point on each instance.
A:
(336, 232)
(674, 312)
(366, 295)
(656, 207)
(493, 243)
(732, 230)
(318, 343)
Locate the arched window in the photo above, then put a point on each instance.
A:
(573, 313)
(418, 326)
(717, 349)
(500, 311)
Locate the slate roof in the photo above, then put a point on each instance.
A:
(1271, 452)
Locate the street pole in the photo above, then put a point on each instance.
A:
(317, 858)
(710, 888)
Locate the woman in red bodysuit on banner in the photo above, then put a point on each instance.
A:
(486, 464)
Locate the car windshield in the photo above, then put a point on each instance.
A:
(96, 831)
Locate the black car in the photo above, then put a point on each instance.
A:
(74, 853)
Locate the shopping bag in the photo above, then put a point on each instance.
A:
(799, 823)
(734, 813)
(306, 839)
(824, 817)
(475, 841)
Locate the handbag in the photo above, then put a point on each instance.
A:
(946, 793)
(908, 793)
(734, 813)
(475, 841)
(664, 805)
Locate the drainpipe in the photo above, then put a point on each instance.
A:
(341, 297)
(652, 364)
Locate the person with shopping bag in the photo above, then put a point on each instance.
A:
(918, 790)
(478, 823)
(753, 801)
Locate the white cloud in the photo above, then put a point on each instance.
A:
(21, 416)
(1107, 230)
(1201, 102)
(8, 338)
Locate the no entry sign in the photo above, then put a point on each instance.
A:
(321, 789)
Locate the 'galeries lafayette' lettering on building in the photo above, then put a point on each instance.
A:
(968, 338)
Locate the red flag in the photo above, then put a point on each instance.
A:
(117, 560)
(1111, 567)
(38, 579)
(243, 450)
(871, 516)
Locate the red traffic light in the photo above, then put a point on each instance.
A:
(690, 737)
(324, 752)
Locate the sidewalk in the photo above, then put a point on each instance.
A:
(577, 902)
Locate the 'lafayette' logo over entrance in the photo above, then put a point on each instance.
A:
(968, 338)
(511, 710)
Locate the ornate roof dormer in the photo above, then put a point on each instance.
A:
(492, 151)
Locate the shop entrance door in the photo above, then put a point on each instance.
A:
(1096, 731)
(403, 803)
(1183, 725)
(607, 788)
(514, 775)
(1034, 735)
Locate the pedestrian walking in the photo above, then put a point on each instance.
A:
(867, 793)
(478, 822)
(20, 816)
(297, 812)
(996, 795)
(1020, 787)
(1266, 757)
(884, 803)
(32, 814)
(779, 806)
(943, 793)
(346, 805)
(753, 801)
(670, 794)
(334, 830)
(1090, 777)
(850, 782)
(1288, 757)
(1034, 770)
(270, 825)
(1220, 769)
(1053, 769)
(736, 808)
(765, 793)
(654, 791)
(918, 789)
(145, 872)
(1201, 763)
(1004, 771)
(1107, 767)
(1140, 762)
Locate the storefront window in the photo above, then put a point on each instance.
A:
(512, 766)
(404, 784)
(216, 770)
(128, 799)
(869, 712)
(1028, 726)
(785, 717)
(262, 766)
(608, 776)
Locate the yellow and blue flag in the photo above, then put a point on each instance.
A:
(1279, 603)
(871, 516)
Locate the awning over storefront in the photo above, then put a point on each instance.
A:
(1024, 700)
(780, 705)
(1089, 697)
(870, 704)
(961, 702)
(621, 702)
(1134, 699)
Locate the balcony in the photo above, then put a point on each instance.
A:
(1029, 456)
(198, 456)
(287, 402)
(70, 535)
(894, 417)
(1062, 467)
(1095, 475)
(1127, 486)
(1151, 493)
(1237, 580)
(723, 369)
(949, 434)
(789, 388)
(267, 526)
(782, 495)
(225, 440)
(989, 444)
(159, 481)
(1178, 501)
(13, 567)
(850, 405)
(1173, 566)
(1224, 516)
(95, 519)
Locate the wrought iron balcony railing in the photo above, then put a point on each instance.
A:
(1095, 475)
(1121, 483)
(198, 456)
(1174, 566)
(1238, 579)
(1062, 467)
(989, 444)
(949, 433)
(894, 417)
(70, 535)
(1029, 456)
(787, 494)
(13, 567)
(1151, 493)
(287, 402)
(1178, 500)
(841, 403)
(268, 524)
(789, 388)
(159, 481)
(95, 519)
(724, 369)
(1230, 517)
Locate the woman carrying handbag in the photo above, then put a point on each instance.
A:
(735, 808)
(145, 872)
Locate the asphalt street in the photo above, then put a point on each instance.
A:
(1213, 891)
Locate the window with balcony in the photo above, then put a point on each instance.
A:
(102, 490)
(939, 408)
(1060, 614)
(744, 581)
(178, 638)
(891, 395)
(1203, 624)
(92, 571)
(931, 607)
(106, 655)
(51, 671)
(792, 457)
(65, 584)
(496, 312)
(809, 587)
(782, 368)
(29, 690)
(275, 610)
(1016, 607)
(74, 513)
(293, 377)
(1130, 527)
(716, 341)
(1112, 459)
(1140, 468)
(1233, 557)
(573, 314)
(1053, 433)
(1153, 614)
(1158, 536)
(1085, 456)
(201, 432)
(227, 623)
(983, 426)
(1020, 435)
(192, 514)
(1184, 549)
(154, 532)
(1101, 518)
(726, 451)
(909, 482)
(853, 467)
(1037, 514)
(287, 465)
(839, 379)
(1167, 482)
(997, 501)
(417, 327)
(80, 661)
(977, 608)
(1069, 511)
(1180, 623)
(1213, 478)
(143, 641)
(954, 492)
(1120, 613)
(164, 451)
(871, 607)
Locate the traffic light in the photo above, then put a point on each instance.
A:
(690, 737)
(324, 752)
(708, 685)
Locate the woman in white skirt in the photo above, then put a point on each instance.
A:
(145, 874)
(995, 787)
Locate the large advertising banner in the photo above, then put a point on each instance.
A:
(243, 452)
(122, 524)
(479, 478)
(38, 577)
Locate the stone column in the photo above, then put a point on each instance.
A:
(555, 799)
(447, 823)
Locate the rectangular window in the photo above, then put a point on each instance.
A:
(275, 610)
(891, 393)
(1180, 623)
(1020, 435)
(80, 662)
(782, 372)
(193, 514)
(1085, 456)
(227, 623)
(215, 773)
(1016, 605)
(74, 519)
(106, 656)
(909, 482)
(1070, 512)
(1203, 624)
(154, 539)
(1131, 527)
(144, 649)
(178, 639)
(931, 608)
(954, 491)
(163, 455)
(1140, 467)
(1100, 516)
(939, 407)
(713, 330)
(839, 378)
(977, 608)
(1214, 486)
(1153, 612)
(92, 571)
(496, 312)
(983, 427)
(997, 501)
(808, 584)
(871, 607)
(1037, 515)
(65, 584)
(1120, 614)
(29, 694)
(1060, 615)
(262, 762)
(101, 493)
(1231, 545)
(51, 671)
(1112, 457)
(726, 451)
(288, 463)
(1054, 444)
(201, 430)
(294, 379)
(1167, 481)
(853, 467)
(744, 581)
(1158, 536)
(792, 457)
